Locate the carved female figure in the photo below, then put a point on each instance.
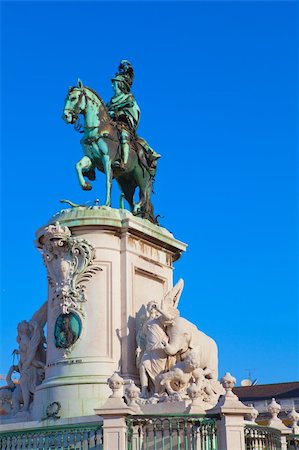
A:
(154, 360)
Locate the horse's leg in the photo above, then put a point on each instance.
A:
(107, 167)
(128, 189)
(138, 205)
(106, 161)
(144, 207)
(140, 181)
(83, 165)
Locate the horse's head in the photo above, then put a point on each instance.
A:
(75, 103)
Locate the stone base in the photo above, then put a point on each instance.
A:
(76, 397)
(135, 265)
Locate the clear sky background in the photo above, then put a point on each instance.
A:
(217, 86)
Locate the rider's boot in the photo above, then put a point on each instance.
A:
(126, 151)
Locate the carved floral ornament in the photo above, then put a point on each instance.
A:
(70, 264)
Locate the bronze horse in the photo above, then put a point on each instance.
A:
(101, 147)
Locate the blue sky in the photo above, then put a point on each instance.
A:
(217, 86)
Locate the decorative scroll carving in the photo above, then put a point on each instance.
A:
(70, 264)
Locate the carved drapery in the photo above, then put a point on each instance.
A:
(70, 264)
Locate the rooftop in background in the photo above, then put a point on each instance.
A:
(268, 391)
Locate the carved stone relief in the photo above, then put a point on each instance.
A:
(70, 264)
(176, 361)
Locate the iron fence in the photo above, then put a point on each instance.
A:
(70, 437)
(171, 433)
(293, 442)
(262, 438)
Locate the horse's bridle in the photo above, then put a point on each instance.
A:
(76, 109)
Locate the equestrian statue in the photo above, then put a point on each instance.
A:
(110, 142)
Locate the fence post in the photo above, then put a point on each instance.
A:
(275, 422)
(230, 427)
(114, 413)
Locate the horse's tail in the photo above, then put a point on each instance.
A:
(148, 209)
(143, 159)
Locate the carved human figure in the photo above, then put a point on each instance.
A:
(151, 357)
(173, 354)
(32, 358)
(182, 374)
(124, 110)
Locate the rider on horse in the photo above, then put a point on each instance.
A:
(124, 110)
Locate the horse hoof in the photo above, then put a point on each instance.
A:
(87, 187)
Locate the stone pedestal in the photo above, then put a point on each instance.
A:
(134, 261)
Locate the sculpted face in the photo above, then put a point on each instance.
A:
(152, 309)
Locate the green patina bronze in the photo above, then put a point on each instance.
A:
(110, 143)
(67, 330)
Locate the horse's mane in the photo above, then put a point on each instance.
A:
(105, 110)
(102, 104)
(95, 93)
